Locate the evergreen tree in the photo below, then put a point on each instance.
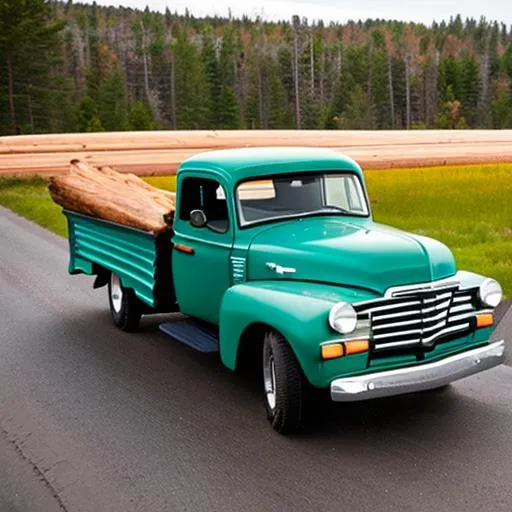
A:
(191, 92)
(112, 103)
(194, 73)
(469, 90)
(380, 90)
(280, 115)
(228, 110)
(228, 115)
(140, 117)
(29, 44)
(254, 116)
(212, 79)
(88, 117)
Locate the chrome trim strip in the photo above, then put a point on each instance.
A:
(395, 315)
(436, 308)
(397, 344)
(343, 340)
(442, 314)
(462, 307)
(462, 298)
(426, 287)
(438, 298)
(418, 378)
(396, 324)
(396, 291)
(463, 316)
(395, 305)
(446, 330)
(435, 326)
(396, 334)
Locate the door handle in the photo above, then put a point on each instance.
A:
(185, 248)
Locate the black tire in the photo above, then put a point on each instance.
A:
(285, 405)
(126, 310)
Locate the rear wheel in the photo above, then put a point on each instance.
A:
(284, 385)
(125, 307)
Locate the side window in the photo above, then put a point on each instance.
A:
(345, 192)
(206, 195)
(354, 194)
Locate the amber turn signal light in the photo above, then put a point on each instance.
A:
(484, 320)
(334, 350)
(356, 347)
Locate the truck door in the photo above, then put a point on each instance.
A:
(200, 260)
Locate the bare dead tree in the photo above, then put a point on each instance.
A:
(145, 62)
(408, 91)
(295, 68)
(391, 92)
(312, 63)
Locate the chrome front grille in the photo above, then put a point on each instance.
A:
(418, 318)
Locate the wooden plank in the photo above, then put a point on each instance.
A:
(147, 153)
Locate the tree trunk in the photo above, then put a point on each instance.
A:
(31, 110)
(168, 42)
(322, 75)
(484, 77)
(145, 61)
(295, 66)
(173, 95)
(339, 63)
(12, 106)
(391, 93)
(370, 88)
(261, 105)
(407, 93)
(312, 66)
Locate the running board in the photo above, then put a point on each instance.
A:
(192, 334)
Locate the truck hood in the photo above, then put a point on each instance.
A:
(349, 253)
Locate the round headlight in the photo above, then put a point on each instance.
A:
(343, 318)
(490, 293)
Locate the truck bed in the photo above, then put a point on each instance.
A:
(143, 261)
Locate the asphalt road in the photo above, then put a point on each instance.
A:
(92, 419)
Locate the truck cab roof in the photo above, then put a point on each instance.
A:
(240, 164)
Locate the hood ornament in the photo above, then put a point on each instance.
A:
(279, 270)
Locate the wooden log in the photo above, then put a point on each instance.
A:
(113, 196)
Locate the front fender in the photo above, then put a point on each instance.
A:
(299, 311)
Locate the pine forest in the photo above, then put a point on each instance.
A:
(70, 67)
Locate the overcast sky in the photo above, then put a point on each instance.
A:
(336, 10)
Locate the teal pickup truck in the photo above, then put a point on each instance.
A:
(274, 260)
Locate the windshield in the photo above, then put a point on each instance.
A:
(300, 195)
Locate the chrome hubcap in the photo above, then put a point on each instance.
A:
(116, 292)
(269, 378)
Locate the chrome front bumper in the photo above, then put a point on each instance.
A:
(418, 378)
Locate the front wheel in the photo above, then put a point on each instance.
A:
(284, 385)
(125, 307)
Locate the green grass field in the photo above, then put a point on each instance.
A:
(468, 208)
